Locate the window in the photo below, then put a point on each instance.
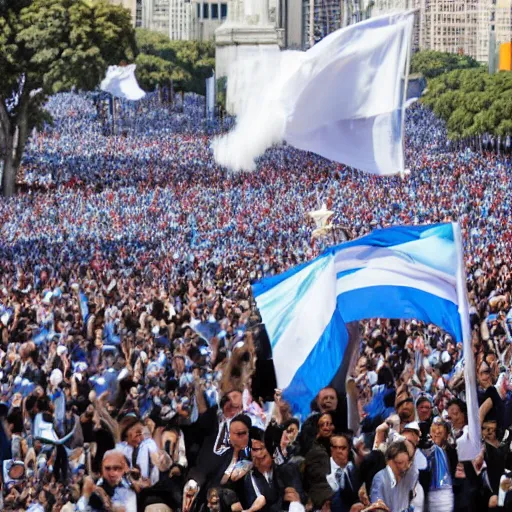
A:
(223, 11)
(215, 11)
(205, 11)
(198, 10)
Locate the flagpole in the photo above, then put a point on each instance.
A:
(471, 445)
(404, 98)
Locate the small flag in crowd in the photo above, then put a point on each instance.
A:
(402, 272)
(120, 81)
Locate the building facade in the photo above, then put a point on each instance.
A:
(184, 19)
(503, 21)
(156, 15)
(292, 23)
(207, 16)
(466, 27)
(135, 8)
(386, 6)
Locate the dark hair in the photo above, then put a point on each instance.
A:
(226, 398)
(16, 420)
(320, 416)
(127, 423)
(291, 421)
(385, 377)
(395, 449)
(422, 399)
(256, 434)
(242, 418)
(460, 404)
(345, 436)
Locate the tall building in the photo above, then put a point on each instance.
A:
(386, 6)
(180, 23)
(135, 8)
(184, 19)
(319, 19)
(156, 15)
(454, 26)
(503, 21)
(467, 27)
(207, 16)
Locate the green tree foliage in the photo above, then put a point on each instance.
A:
(187, 63)
(222, 84)
(48, 46)
(472, 102)
(431, 63)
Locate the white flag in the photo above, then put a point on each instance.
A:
(120, 81)
(342, 99)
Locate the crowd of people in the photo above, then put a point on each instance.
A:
(135, 371)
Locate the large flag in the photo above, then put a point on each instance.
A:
(120, 81)
(406, 272)
(343, 99)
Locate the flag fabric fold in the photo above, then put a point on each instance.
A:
(120, 81)
(342, 99)
(402, 272)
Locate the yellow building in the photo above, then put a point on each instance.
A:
(506, 57)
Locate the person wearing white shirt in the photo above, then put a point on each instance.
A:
(395, 484)
(138, 450)
(112, 490)
(343, 478)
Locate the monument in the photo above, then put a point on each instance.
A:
(247, 33)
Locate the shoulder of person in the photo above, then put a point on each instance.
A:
(149, 444)
(380, 476)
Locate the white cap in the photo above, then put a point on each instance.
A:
(61, 349)
(413, 426)
(56, 377)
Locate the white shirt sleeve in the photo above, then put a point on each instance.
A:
(182, 454)
(83, 505)
(143, 460)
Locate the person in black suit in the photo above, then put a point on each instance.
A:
(269, 487)
(344, 476)
(225, 470)
(332, 477)
(213, 424)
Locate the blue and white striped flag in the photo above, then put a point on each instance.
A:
(403, 272)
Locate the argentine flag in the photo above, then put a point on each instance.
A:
(402, 272)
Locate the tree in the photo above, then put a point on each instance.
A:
(431, 63)
(186, 63)
(472, 102)
(48, 46)
(153, 71)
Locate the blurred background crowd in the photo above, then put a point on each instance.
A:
(136, 373)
